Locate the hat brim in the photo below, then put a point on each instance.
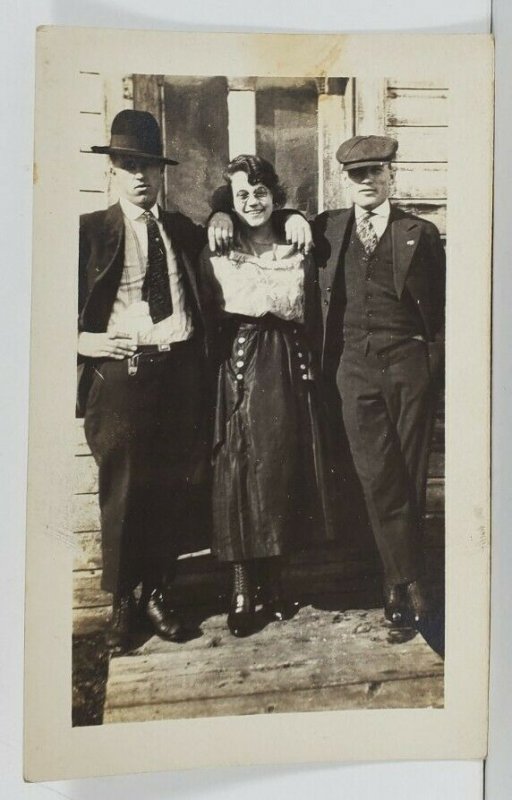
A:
(358, 164)
(125, 151)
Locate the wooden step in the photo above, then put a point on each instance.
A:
(319, 660)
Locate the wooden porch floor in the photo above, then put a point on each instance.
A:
(322, 659)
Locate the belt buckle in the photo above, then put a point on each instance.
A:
(133, 364)
(164, 348)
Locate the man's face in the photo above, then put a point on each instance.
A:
(369, 186)
(137, 180)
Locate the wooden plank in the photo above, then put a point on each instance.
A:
(413, 692)
(92, 132)
(88, 554)
(242, 122)
(92, 172)
(430, 211)
(407, 83)
(86, 589)
(197, 587)
(335, 124)
(420, 181)
(86, 512)
(91, 93)
(86, 475)
(423, 107)
(147, 95)
(313, 652)
(320, 626)
(370, 96)
(90, 620)
(420, 144)
(92, 201)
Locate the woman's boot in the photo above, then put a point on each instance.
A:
(241, 612)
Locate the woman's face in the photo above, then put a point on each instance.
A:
(253, 204)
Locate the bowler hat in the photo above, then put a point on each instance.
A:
(366, 151)
(137, 134)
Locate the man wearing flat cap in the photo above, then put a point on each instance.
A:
(143, 385)
(382, 286)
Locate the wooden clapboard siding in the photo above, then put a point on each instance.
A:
(422, 144)
(417, 107)
(416, 114)
(420, 180)
(92, 169)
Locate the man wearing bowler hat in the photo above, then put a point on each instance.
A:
(382, 286)
(143, 385)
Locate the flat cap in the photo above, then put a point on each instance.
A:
(366, 151)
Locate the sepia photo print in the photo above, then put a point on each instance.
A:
(265, 487)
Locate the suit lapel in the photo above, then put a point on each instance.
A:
(405, 235)
(111, 241)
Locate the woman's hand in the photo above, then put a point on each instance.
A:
(220, 232)
(105, 345)
(298, 233)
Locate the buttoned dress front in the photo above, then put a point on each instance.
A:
(272, 477)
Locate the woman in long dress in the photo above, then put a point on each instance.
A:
(272, 477)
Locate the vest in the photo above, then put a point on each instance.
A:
(375, 318)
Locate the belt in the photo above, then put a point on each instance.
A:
(145, 350)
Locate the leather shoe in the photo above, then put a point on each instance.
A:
(395, 606)
(417, 602)
(164, 621)
(118, 636)
(274, 604)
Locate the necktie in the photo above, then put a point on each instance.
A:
(366, 233)
(156, 289)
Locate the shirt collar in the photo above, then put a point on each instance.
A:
(134, 212)
(383, 210)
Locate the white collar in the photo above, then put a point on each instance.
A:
(134, 212)
(383, 210)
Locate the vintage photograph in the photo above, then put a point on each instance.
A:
(258, 512)
(259, 498)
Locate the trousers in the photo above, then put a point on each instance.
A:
(146, 432)
(388, 402)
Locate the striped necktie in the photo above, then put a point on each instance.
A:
(156, 289)
(366, 232)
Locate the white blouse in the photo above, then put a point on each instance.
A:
(271, 283)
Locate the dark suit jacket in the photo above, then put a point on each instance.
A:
(101, 262)
(418, 265)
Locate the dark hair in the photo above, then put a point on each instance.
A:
(258, 170)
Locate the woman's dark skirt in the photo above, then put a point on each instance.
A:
(274, 483)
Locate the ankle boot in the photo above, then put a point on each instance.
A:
(241, 613)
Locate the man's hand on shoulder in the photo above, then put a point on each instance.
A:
(220, 232)
(298, 232)
(105, 345)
